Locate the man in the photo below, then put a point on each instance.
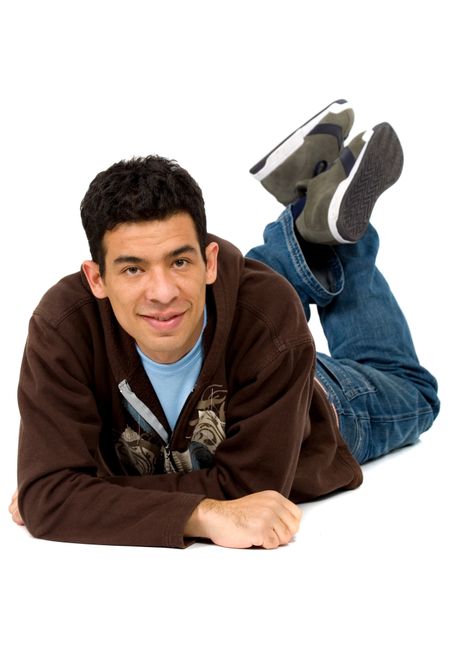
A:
(171, 391)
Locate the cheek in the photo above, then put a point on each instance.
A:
(197, 293)
(124, 301)
(188, 287)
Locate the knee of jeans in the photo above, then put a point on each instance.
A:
(388, 435)
(429, 392)
(428, 403)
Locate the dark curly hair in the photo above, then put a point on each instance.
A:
(143, 188)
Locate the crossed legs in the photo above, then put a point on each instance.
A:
(384, 398)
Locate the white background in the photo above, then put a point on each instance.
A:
(216, 85)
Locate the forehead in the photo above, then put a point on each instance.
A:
(151, 238)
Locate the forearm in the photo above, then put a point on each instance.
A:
(81, 509)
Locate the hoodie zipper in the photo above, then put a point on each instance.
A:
(144, 412)
(152, 422)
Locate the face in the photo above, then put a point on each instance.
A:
(155, 279)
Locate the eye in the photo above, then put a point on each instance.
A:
(132, 270)
(180, 263)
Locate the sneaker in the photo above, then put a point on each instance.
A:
(305, 153)
(339, 202)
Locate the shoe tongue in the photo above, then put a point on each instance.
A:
(347, 160)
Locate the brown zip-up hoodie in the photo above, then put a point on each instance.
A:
(97, 460)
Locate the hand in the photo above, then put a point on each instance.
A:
(14, 509)
(264, 519)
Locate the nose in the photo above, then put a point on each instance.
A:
(161, 287)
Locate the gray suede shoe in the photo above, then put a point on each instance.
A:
(339, 202)
(305, 153)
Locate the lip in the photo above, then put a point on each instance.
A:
(163, 322)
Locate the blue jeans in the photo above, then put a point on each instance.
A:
(384, 398)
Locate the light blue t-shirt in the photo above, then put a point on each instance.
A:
(173, 382)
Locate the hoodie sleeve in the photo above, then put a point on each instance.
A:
(60, 496)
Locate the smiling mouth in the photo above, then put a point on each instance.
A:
(164, 322)
(163, 318)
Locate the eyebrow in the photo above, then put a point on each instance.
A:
(131, 259)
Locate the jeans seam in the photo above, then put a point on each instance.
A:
(407, 416)
(299, 262)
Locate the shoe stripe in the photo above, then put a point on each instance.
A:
(329, 128)
(293, 142)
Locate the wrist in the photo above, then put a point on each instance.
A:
(198, 521)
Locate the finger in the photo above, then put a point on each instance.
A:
(284, 532)
(17, 518)
(280, 500)
(270, 540)
(277, 501)
(13, 501)
(292, 508)
(291, 519)
(285, 511)
(14, 509)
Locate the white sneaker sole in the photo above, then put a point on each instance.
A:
(296, 140)
(377, 167)
(335, 204)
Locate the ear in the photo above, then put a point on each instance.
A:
(92, 272)
(212, 251)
